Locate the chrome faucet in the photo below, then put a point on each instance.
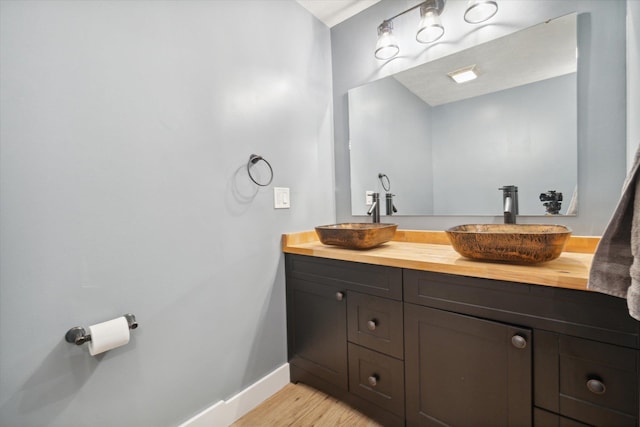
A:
(374, 210)
(510, 203)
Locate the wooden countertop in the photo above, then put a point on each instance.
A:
(431, 251)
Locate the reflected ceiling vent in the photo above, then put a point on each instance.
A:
(464, 75)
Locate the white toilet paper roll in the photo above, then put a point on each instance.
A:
(108, 335)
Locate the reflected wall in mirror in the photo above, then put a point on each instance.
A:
(447, 148)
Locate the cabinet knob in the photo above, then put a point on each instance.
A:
(596, 386)
(371, 324)
(339, 296)
(519, 341)
(373, 380)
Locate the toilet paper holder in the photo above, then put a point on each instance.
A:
(77, 335)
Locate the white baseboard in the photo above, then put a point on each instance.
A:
(226, 412)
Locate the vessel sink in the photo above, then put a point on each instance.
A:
(515, 243)
(356, 235)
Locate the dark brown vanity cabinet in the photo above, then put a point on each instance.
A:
(345, 333)
(579, 366)
(418, 348)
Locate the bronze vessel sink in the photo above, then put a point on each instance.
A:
(515, 243)
(356, 235)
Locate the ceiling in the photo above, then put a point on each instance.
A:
(333, 12)
(527, 56)
(537, 53)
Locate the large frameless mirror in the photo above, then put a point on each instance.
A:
(445, 148)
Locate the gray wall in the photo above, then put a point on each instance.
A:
(524, 136)
(451, 159)
(126, 127)
(390, 133)
(601, 91)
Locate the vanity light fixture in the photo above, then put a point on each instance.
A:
(465, 74)
(430, 28)
(387, 47)
(480, 10)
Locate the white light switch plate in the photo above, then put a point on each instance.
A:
(281, 198)
(369, 197)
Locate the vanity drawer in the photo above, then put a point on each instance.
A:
(376, 323)
(377, 378)
(598, 382)
(589, 315)
(366, 278)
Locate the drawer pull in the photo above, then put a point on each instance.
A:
(339, 296)
(371, 324)
(373, 380)
(596, 386)
(518, 341)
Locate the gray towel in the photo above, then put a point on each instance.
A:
(616, 263)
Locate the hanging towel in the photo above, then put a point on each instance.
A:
(615, 269)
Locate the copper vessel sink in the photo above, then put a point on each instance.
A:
(515, 243)
(356, 235)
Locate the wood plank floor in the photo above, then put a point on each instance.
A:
(302, 406)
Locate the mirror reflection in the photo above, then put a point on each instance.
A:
(445, 148)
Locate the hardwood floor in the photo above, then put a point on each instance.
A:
(302, 406)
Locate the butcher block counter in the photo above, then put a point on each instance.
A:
(431, 251)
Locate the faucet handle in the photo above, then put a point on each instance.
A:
(374, 210)
(373, 207)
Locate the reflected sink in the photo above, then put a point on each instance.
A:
(356, 235)
(515, 243)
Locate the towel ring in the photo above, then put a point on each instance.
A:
(253, 159)
(382, 177)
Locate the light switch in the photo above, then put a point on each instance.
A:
(281, 198)
(368, 197)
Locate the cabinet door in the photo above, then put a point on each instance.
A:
(317, 330)
(465, 371)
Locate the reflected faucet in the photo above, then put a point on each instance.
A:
(391, 208)
(386, 184)
(510, 203)
(374, 210)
